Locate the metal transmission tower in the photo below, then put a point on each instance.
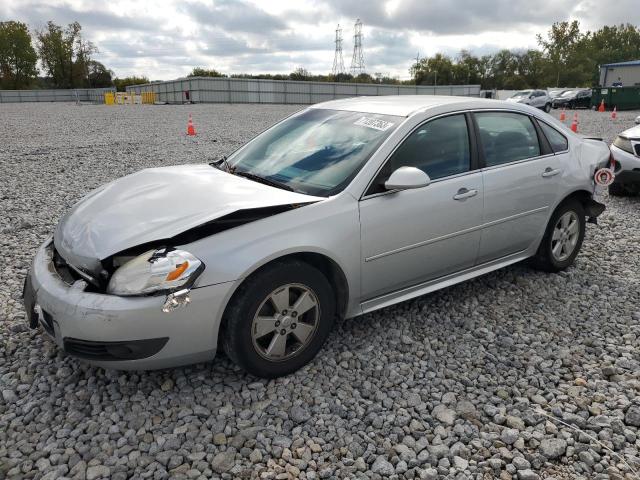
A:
(338, 63)
(357, 61)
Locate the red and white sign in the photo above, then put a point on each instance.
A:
(604, 177)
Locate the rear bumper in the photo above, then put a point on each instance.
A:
(123, 332)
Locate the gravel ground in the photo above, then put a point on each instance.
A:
(516, 374)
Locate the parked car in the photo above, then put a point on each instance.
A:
(579, 98)
(340, 209)
(555, 93)
(626, 152)
(535, 98)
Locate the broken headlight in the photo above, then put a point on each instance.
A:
(155, 271)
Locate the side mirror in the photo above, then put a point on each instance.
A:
(405, 178)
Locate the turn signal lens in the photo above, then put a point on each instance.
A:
(177, 272)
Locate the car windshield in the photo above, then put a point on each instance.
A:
(570, 93)
(524, 93)
(317, 152)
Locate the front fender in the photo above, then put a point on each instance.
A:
(330, 228)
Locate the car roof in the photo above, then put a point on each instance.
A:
(406, 105)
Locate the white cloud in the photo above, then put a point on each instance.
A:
(166, 39)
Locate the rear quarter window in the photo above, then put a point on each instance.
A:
(558, 141)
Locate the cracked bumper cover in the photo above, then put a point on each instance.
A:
(123, 324)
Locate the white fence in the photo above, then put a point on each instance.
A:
(241, 90)
(95, 95)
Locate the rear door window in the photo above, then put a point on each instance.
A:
(507, 137)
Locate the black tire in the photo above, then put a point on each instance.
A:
(238, 318)
(544, 259)
(547, 107)
(617, 190)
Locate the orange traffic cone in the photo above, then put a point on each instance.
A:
(191, 131)
(614, 114)
(601, 107)
(563, 115)
(574, 124)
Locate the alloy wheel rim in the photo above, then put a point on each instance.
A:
(565, 236)
(285, 322)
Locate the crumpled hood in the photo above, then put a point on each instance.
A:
(156, 204)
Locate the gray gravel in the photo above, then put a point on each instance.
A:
(517, 374)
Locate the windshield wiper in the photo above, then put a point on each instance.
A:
(266, 181)
(222, 161)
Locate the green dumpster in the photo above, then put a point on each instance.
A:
(624, 98)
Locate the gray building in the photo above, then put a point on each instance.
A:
(625, 74)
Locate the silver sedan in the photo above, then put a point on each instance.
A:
(338, 210)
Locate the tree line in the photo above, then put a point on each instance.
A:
(566, 57)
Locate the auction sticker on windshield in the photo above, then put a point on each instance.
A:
(374, 123)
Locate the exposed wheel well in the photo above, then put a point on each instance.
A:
(329, 269)
(582, 196)
(592, 208)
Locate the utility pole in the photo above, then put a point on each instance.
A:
(338, 63)
(357, 61)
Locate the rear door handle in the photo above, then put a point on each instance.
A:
(550, 172)
(465, 193)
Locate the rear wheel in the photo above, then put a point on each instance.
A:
(279, 319)
(563, 238)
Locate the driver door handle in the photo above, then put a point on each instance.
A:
(465, 193)
(550, 172)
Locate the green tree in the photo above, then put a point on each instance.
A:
(203, 72)
(17, 56)
(531, 67)
(65, 55)
(99, 76)
(560, 46)
(618, 43)
(300, 73)
(122, 83)
(436, 70)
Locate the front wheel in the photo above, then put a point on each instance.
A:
(279, 319)
(562, 239)
(547, 107)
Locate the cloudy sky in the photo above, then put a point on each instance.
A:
(165, 39)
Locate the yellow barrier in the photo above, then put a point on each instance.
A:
(149, 97)
(126, 98)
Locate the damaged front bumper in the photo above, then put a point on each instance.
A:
(122, 332)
